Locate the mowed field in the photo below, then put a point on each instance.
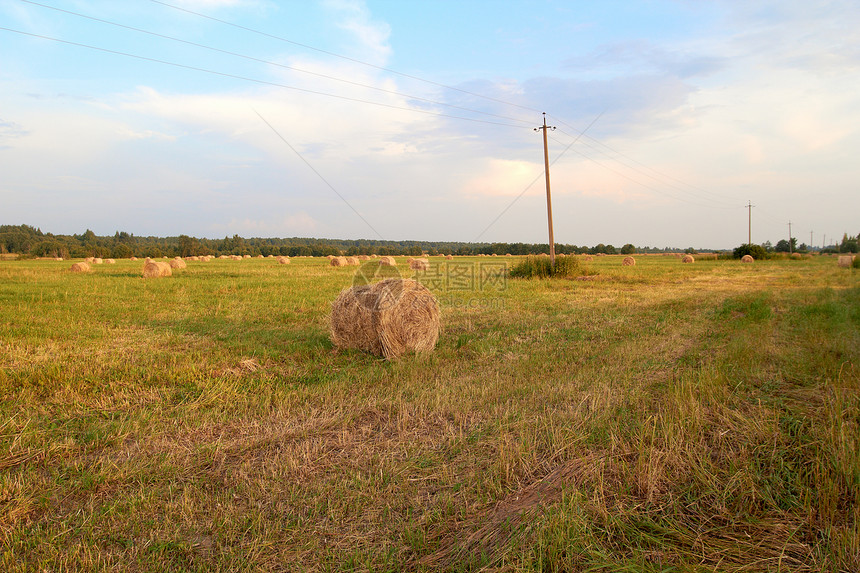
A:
(660, 417)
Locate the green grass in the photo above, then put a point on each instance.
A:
(661, 417)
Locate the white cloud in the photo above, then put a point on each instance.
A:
(371, 35)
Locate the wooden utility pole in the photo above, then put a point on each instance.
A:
(789, 237)
(749, 232)
(548, 196)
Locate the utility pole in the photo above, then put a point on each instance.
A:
(789, 237)
(749, 235)
(548, 196)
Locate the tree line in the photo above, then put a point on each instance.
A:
(30, 241)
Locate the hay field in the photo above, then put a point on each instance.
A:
(660, 417)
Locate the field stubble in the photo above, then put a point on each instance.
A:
(702, 417)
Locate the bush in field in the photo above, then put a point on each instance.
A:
(539, 267)
(755, 251)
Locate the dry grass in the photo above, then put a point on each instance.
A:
(681, 418)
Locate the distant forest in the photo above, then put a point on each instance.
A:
(31, 241)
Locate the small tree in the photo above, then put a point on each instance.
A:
(628, 249)
(755, 251)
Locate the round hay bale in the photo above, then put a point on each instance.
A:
(389, 261)
(449, 257)
(89, 260)
(796, 256)
(338, 262)
(80, 268)
(133, 259)
(747, 259)
(236, 257)
(363, 258)
(845, 261)
(177, 263)
(419, 265)
(352, 261)
(387, 318)
(156, 269)
(329, 257)
(628, 262)
(246, 256)
(110, 261)
(98, 261)
(283, 260)
(688, 259)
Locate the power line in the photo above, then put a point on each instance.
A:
(330, 186)
(645, 185)
(254, 80)
(660, 177)
(341, 56)
(527, 187)
(276, 64)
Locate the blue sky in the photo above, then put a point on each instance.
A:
(414, 120)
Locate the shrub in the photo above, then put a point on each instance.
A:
(755, 251)
(539, 267)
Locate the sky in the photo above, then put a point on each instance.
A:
(677, 123)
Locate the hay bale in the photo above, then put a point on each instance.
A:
(352, 261)
(449, 257)
(387, 318)
(98, 261)
(363, 258)
(133, 259)
(628, 262)
(156, 269)
(80, 268)
(338, 262)
(747, 259)
(283, 260)
(110, 261)
(89, 260)
(845, 261)
(419, 265)
(387, 261)
(177, 263)
(688, 259)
